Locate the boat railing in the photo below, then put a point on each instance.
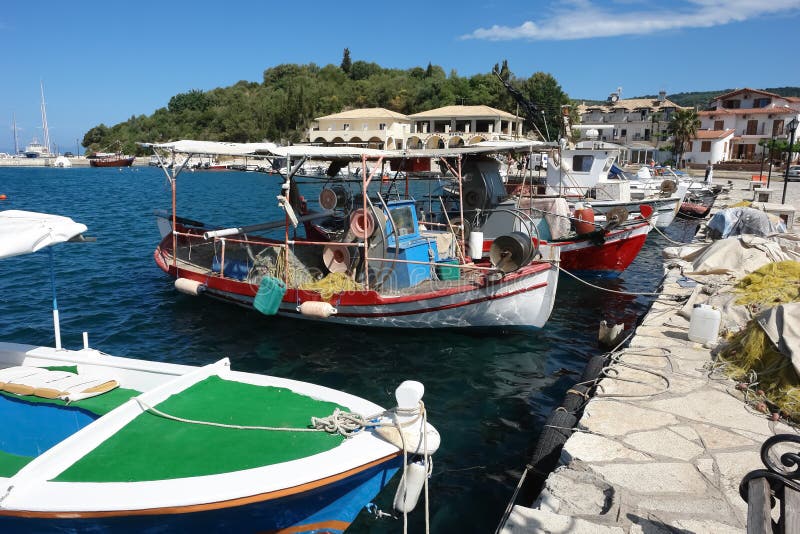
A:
(226, 242)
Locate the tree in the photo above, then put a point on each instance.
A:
(346, 63)
(683, 127)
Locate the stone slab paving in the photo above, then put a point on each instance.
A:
(662, 446)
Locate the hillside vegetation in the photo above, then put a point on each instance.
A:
(281, 107)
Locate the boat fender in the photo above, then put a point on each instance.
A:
(190, 287)
(322, 310)
(410, 487)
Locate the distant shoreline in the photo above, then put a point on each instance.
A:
(77, 161)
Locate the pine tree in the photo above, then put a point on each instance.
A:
(347, 64)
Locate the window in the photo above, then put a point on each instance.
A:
(582, 163)
(688, 146)
(382, 126)
(731, 104)
(777, 127)
(365, 126)
(345, 126)
(719, 125)
(761, 102)
(752, 127)
(705, 146)
(624, 133)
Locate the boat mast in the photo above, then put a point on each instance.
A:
(16, 141)
(44, 121)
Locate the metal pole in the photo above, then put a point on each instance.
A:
(771, 146)
(793, 126)
(56, 326)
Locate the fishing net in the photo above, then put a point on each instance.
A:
(774, 283)
(752, 357)
(741, 204)
(332, 284)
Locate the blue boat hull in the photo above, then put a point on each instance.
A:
(328, 508)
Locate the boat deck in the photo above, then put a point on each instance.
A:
(154, 447)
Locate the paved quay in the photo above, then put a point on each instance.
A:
(666, 440)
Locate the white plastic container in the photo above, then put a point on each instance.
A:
(704, 324)
(476, 245)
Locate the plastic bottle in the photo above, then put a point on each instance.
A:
(704, 324)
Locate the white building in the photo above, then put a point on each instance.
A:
(753, 115)
(709, 146)
(449, 126)
(638, 124)
(369, 127)
(453, 126)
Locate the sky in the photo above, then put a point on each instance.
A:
(103, 62)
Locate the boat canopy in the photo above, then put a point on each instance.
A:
(188, 146)
(23, 232)
(350, 153)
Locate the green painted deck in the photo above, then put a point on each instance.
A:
(153, 448)
(10, 464)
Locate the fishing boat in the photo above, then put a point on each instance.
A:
(116, 159)
(93, 442)
(365, 257)
(590, 243)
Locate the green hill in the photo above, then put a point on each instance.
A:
(281, 107)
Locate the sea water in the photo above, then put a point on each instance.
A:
(488, 392)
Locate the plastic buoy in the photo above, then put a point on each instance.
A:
(410, 487)
(189, 287)
(3, 197)
(336, 258)
(584, 219)
(312, 308)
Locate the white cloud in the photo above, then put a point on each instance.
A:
(582, 19)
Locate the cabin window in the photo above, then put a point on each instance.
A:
(705, 146)
(403, 219)
(582, 163)
(719, 125)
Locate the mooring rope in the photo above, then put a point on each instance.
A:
(631, 293)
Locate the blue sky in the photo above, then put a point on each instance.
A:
(102, 62)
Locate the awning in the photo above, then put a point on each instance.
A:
(23, 232)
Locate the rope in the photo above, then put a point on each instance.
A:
(665, 236)
(631, 293)
(340, 422)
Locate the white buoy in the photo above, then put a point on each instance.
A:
(416, 437)
(410, 487)
(312, 308)
(190, 287)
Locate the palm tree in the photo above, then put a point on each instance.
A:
(683, 127)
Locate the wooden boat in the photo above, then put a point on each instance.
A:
(601, 244)
(111, 160)
(365, 258)
(93, 442)
(583, 174)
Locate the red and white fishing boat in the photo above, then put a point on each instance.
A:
(365, 257)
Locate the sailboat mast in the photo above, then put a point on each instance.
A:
(44, 121)
(16, 141)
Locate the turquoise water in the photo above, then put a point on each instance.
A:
(488, 393)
